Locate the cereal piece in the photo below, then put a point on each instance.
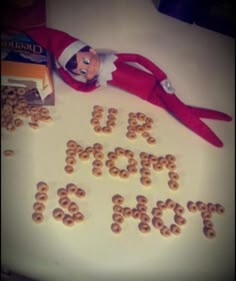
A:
(170, 158)
(129, 154)
(39, 207)
(8, 152)
(78, 150)
(127, 212)
(170, 203)
(165, 231)
(110, 163)
(136, 213)
(84, 155)
(37, 217)
(173, 184)
(151, 140)
(146, 172)
(132, 115)
(179, 220)
(70, 160)
(117, 199)
(158, 167)
(157, 222)
(160, 204)
(144, 227)
(106, 130)
(211, 207)
(89, 150)
(115, 227)
(80, 193)
(132, 162)
(112, 110)
(179, 210)
(145, 163)
(192, 207)
(175, 229)
(139, 128)
(98, 147)
(132, 169)
(42, 186)
(71, 188)
(41, 197)
(144, 217)
(97, 172)
(202, 207)
(98, 155)
(206, 215)
(18, 122)
(117, 218)
(71, 144)
(173, 175)
(145, 134)
(112, 156)
(141, 199)
(114, 171)
(58, 214)
(141, 207)
(171, 166)
(97, 115)
(71, 152)
(220, 209)
(157, 212)
(119, 151)
(97, 129)
(208, 223)
(146, 181)
(124, 174)
(64, 202)
(78, 217)
(62, 192)
(69, 169)
(68, 220)
(131, 135)
(73, 208)
(98, 108)
(118, 209)
(209, 232)
(97, 163)
(33, 125)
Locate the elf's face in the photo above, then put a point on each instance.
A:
(88, 64)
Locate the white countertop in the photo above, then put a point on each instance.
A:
(201, 65)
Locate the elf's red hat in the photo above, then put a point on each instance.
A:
(62, 45)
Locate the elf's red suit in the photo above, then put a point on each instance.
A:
(123, 71)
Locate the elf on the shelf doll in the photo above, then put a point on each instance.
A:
(84, 69)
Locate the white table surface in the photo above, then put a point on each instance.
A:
(200, 64)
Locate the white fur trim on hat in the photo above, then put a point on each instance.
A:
(69, 51)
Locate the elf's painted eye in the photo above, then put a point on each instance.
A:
(86, 61)
(83, 71)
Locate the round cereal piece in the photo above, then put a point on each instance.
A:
(179, 210)
(132, 162)
(71, 188)
(124, 174)
(129, 154)
(118, 209)
(208, 223)
(145, 163)
(139, 128)
(175, 229)
(114, 171)
(71, 152)
(20, 91)
(146, 181)
(112, 110)
(98, 108)
(98, 155)
(97, 129)
(219, 209)
(171, 166)
(69, 169)
(132, 122)
(44, 111)
(8, 152)
(37, 217)
(117, 199)
(171, 204)
(64, 202)
(111, 117)
(127, 212)
(78, 150)
(58, 214)
(110, 163)
(33, 125)
(18, 122)
(80, 193)
(97, 172)
(145, 134)
(160, 204)
(149, 120)
(179, 220)
(111, 124)
(115, 227)
(112, 156)
(144, 217)
(165, 231)
(151, 140)
(147, 126)
(131, 135)
(170, 158)
(97, 115)
(97, 163)
(78, 217)
(141, 116)
(173, 175)
(71, 144)
(157, 222)
(209, 232)
(73, 208)
(206, 215)
(144, 156)
(106, 129)
(211, 207)
(70, 160)
(141, 199)
(117, 218)
(141, 207)
(131, 129)
(132, 169)
(68, 220)
(98, 147)
(84, 155)
(62, 192)
(132, 115)
(158, 167)
(136, 213)
(89, 150)
(202, 207)
(119, 151)
(162, 160)
(192, 207)
(38, 207)
(41, 197)
(144, 227)
(157, 212)
(42, 186)
(173, 184)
